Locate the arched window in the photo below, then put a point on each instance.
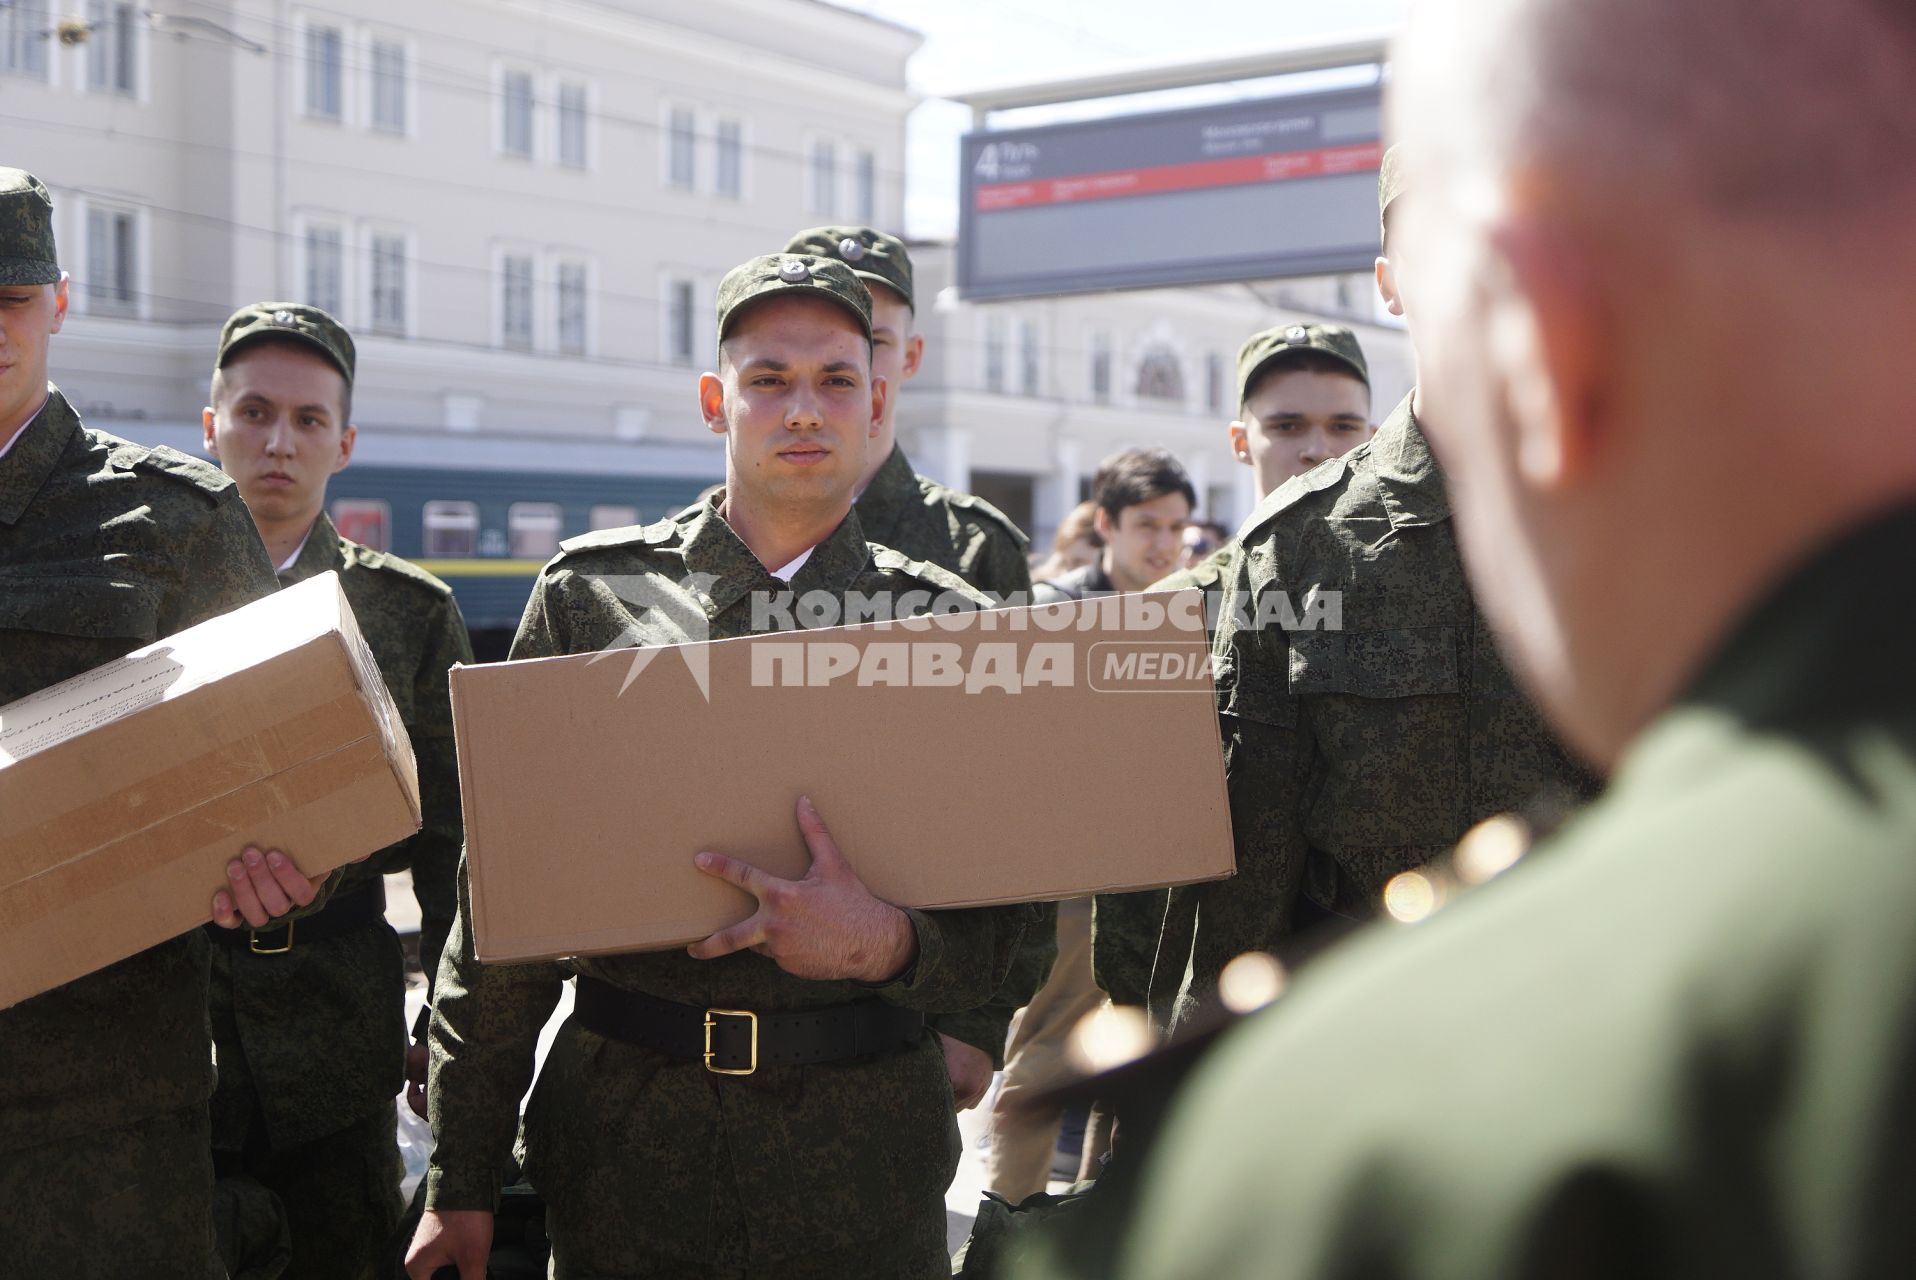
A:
(1160, 376)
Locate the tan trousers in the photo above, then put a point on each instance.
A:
(1018, 1163)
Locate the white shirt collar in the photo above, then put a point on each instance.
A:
(7, 448)
(785, 574)
(294, 558)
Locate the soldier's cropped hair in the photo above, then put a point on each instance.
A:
(217, 390)
(1139, 475)
(1739, 107)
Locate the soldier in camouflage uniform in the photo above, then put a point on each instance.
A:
(105, 545)
(1303, 395)
(651, 1164)
(1356, 751)
(967, 535)
(304, 1103)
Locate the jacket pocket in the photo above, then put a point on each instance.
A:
(80, 606)
(1406, 663)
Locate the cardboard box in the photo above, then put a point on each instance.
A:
(591, 781)
(125, 791)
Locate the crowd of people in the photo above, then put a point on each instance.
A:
(1616, 729)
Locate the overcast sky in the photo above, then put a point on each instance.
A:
(974, 44)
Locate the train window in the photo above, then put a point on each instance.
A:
(452, 530)
(614, 516)
(535, 528)
(367, 521)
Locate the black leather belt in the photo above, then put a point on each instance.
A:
(737, 1042)
(358, 909)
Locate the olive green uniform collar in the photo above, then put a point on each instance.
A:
(893, 491)
(711, 548)
(1775, 671)
(320, 553)
(36, 451)
(1407, 471)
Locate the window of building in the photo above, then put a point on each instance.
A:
(325, 73)
(570, 285)
(1214, 383)
(23, 38)
(573, 115)
(1028, 369)
(729, 176)
(388, 284)
(995, 353)
(865, 188)
(112, 261)
(535, 529)
(1101, 368)
(681, 149)
(451, 530)
(822, 193)
(678, 322)
(515, 113)
(367, 521)
(389, 71)
(515, 301)
(614, 515)
(1161, 376)
(110, 47)
(326, 269)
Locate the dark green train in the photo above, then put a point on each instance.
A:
(487, 532)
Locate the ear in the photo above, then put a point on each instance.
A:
(206, 428)
(712, 403)
(1387, 286)
(347, 439)
(914, 355)
(1547, 316)
(881, 395)
(1107, 529)
(1241, 443)
(60, 300)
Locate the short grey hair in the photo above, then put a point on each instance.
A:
(1745, 107)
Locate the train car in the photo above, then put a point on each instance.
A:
(488, 532)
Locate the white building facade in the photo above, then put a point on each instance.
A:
(522, 209)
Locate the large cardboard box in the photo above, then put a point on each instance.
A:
(1010, 755)
(125, 791)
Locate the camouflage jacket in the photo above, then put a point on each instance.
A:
(311, 1040)
(791, 1157)
(922, 518)
(1354, 752)
(105, 546)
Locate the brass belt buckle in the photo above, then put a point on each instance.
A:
(252, 941)
(711, 1020)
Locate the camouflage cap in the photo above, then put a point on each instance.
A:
(1263, 350)
(777, 273)
(873, 256)
(26, 230)
(1390, 182)
(289, 320)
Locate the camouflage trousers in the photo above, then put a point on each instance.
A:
(133, 1201)
(340, 1197)
(597, 1233)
